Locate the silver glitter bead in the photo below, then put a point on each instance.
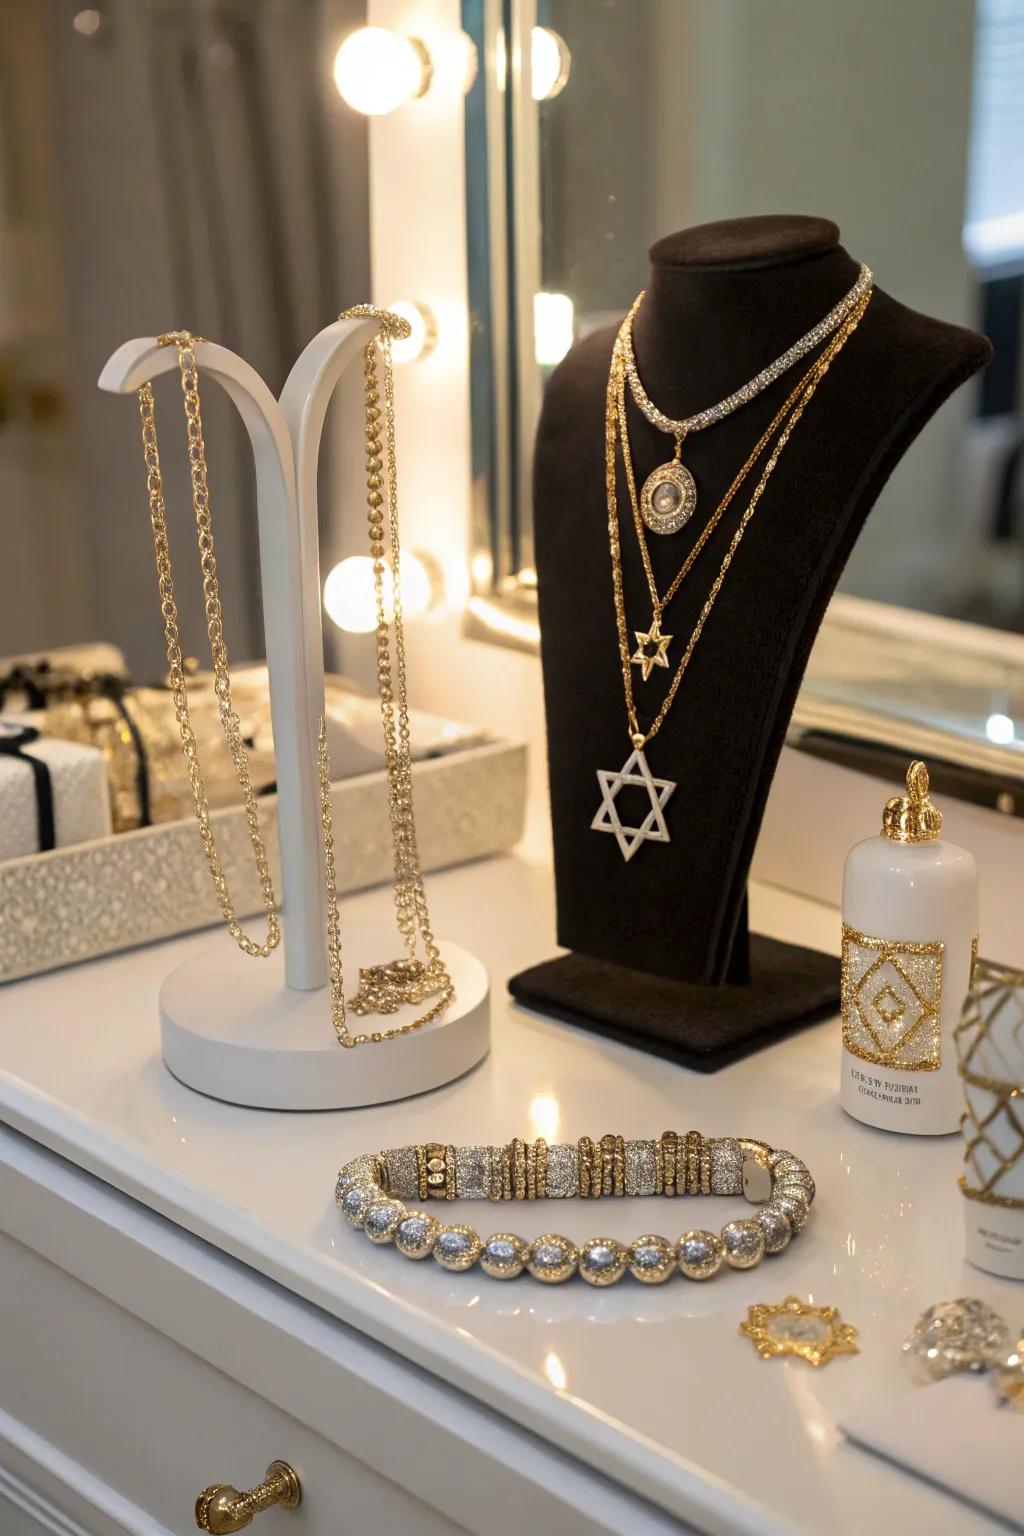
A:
(356, 1201)
(800, 1186)
(552, 1258)
(457, 1247)
(503, 1256)
(403, 1172)
(652, 1259)
(962, 1335)
(361, 1170)
(776, 1228)
(780, 1155)
(472, 1166)
(563, 1172)
(700, 1254)
(795, 1207)
(381, 1219)
(602, 1261)
(415, 1235)
(640, 1168)
(744, 1243)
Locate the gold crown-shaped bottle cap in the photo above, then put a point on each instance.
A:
(912, 818)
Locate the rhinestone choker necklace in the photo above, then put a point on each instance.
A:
(669, 496)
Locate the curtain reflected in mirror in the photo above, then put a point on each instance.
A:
(193, 164)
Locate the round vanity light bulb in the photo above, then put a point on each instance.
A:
(377, 70)
(423, 334)
(350, 600)
(550, 62)
(552, 327)
(349, 594)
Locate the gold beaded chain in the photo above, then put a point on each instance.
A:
(384, 988)
(186, 345)
(615, 424)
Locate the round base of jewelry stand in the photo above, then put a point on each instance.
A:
(232, 1029)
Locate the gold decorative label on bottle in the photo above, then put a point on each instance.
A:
(891, 996)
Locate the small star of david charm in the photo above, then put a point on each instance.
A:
(652, 829)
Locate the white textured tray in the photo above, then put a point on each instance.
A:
(97, 898)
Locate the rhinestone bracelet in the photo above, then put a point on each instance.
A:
(371, 1191)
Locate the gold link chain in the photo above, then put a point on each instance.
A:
(185, 344)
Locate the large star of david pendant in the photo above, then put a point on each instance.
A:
(652, 829)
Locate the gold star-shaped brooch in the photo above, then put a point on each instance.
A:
(794, 1327)
(641, 658)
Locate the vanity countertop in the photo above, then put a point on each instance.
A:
(653, 1386)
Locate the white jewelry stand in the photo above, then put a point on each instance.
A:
(258, 1031)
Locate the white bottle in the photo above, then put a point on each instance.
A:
(910, 934)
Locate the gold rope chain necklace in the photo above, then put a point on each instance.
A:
(636, 772)
(669, 496)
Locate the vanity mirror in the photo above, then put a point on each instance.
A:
(574, 170)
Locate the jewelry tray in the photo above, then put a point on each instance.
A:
(97, 898)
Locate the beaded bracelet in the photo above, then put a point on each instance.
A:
(371, 1191)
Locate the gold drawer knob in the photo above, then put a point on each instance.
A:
(221, 1509)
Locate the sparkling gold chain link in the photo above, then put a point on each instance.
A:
(186, 344)
(384, 988)
(615, 427)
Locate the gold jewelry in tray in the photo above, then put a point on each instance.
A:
(636, 771)
(371, 1191)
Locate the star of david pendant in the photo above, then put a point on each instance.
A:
(648, 660)
(668, 498)
(652, 829)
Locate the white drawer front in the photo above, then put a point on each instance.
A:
(156, 1424)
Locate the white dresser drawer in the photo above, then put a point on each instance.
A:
(158, 1424)
(139, 1365)
(153, 1422)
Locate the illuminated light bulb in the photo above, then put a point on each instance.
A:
(550, 62)
(999, 728)
(552, 327)
(350, 599)
(423, 331)
(349, 594)
(377, 70)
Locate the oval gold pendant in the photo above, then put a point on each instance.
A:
(668, 498)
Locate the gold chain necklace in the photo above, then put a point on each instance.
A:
(669, 496)
(635, 772)
(186, 344)
(384, 988)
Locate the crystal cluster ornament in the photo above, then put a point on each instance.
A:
(962, 1335)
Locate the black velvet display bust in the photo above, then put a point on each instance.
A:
(662, 955)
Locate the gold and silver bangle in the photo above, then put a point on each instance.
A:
(371, 1191)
